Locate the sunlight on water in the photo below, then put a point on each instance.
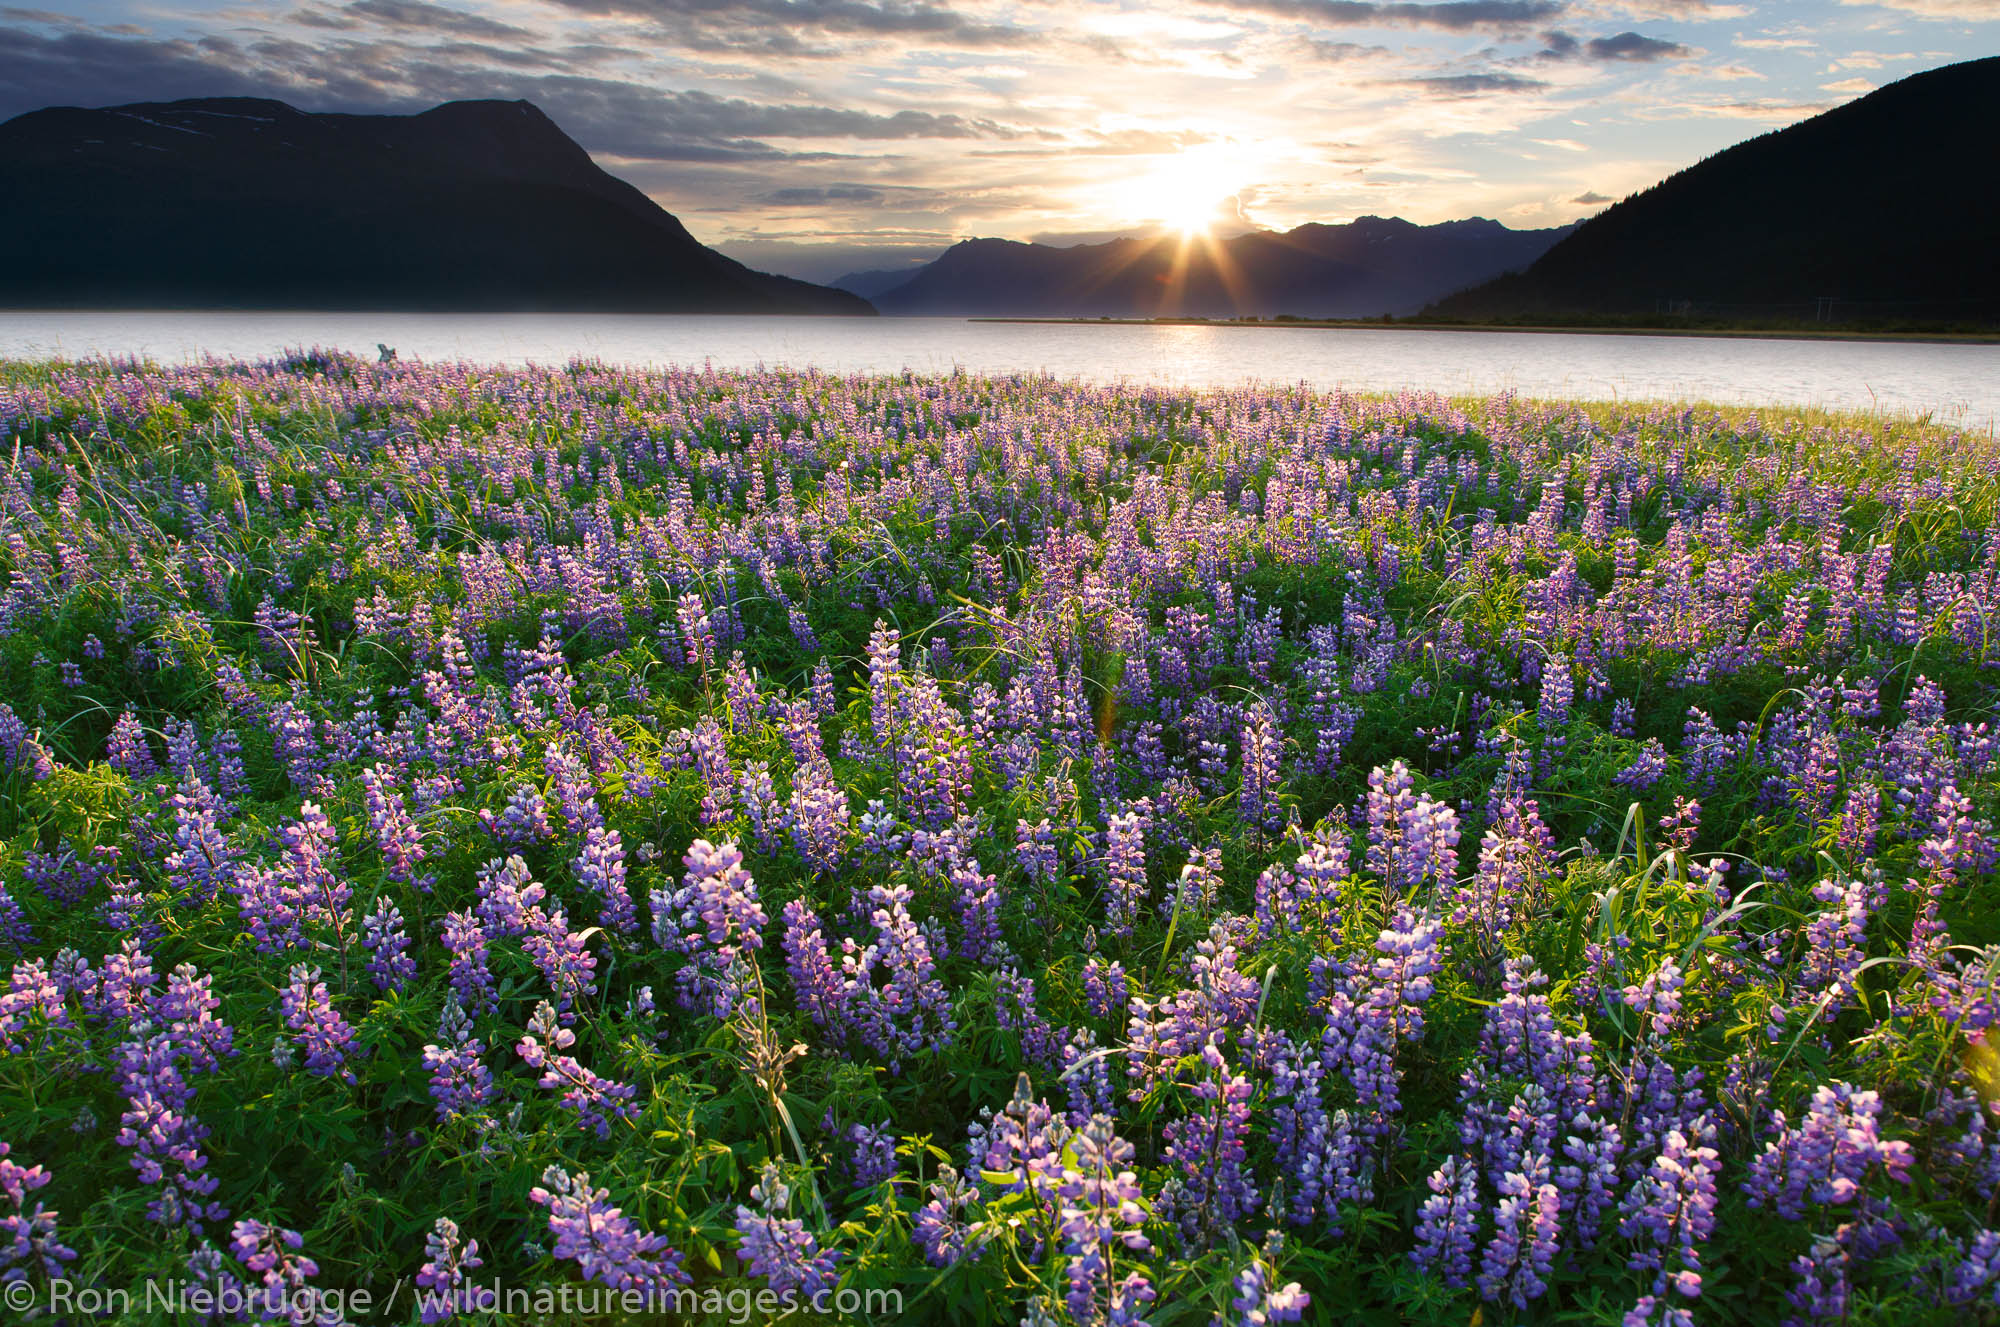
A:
(1956, 383)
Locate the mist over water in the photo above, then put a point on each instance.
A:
(1957, 384)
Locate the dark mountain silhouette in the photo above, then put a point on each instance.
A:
(1367, 267)
(874, 281)
(1888, 207)
(241, 202)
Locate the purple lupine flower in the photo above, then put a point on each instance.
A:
(600, 868)
(471, 976)
(1826, 1159)
(817, 984)
(1588, 1183)
(126, 748)
(939, 1229)
(600, 1239)
(1100, 1210)
(575, 789)
(1977, 1275)
(1035, 850)
(871, 1155)
(316, 1025)
(1263, 768)
(443, 1289)
(1681, 824)
(461, 1085)
(976, 897)
(1200, 882)
(1646, 769)
(390, 965)
(1125, 884)
(1015, 1011)
(779, 1248)
(523, 822)
(697, 639)
(1208, 1147)
(20, 749)
(1670, 1211)
(1516, 857)
(1448, 1222)
(1658, 1000)
(593, 1100)
(202, 863)
(395, 832)
(29, 1248)
(1106, 989)
(305, 888)
(273, 1256)
(1527, 1230)
(1411, 838)
(1821, 1281)
(1324, 1161)
(164, 1134)
(897, 1005)
(1257, 1301)
(711, 760)
(767, 814)
(715, 920)
(1652, 1311)
(1552, 712)
(819, 816)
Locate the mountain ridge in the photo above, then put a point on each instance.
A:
(1884, 205)
(1363, 268)
(252, 203)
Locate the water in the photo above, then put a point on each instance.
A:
(1955, 383)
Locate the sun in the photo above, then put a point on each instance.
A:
(1183, 195)
(1190, 217)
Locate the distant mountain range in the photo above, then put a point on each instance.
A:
(1885, 208)
(240, 202)
(1362, 269)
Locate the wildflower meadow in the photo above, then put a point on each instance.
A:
(1024, 851)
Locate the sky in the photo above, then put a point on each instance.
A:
(816, 137)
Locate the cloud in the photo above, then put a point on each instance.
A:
(1472, 85)
(1964, 11)
(1774, 111)
(821, 195)
(775, 26)
(1632, 47)
(1450, 16)
(1700, 10)
(1849, 87)
(1590, 199)
(88, 68)
(435, 18)
(1627, 47)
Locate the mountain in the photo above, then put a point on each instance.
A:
(242, 202)
(1367, 267)
(1888, 206)
(874, 281)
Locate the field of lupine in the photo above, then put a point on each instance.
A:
(1066, 855)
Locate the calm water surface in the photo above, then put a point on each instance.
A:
(1959, 384)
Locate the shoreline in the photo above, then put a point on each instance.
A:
(1337, 324)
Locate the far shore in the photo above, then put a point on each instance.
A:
(1377, 325)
